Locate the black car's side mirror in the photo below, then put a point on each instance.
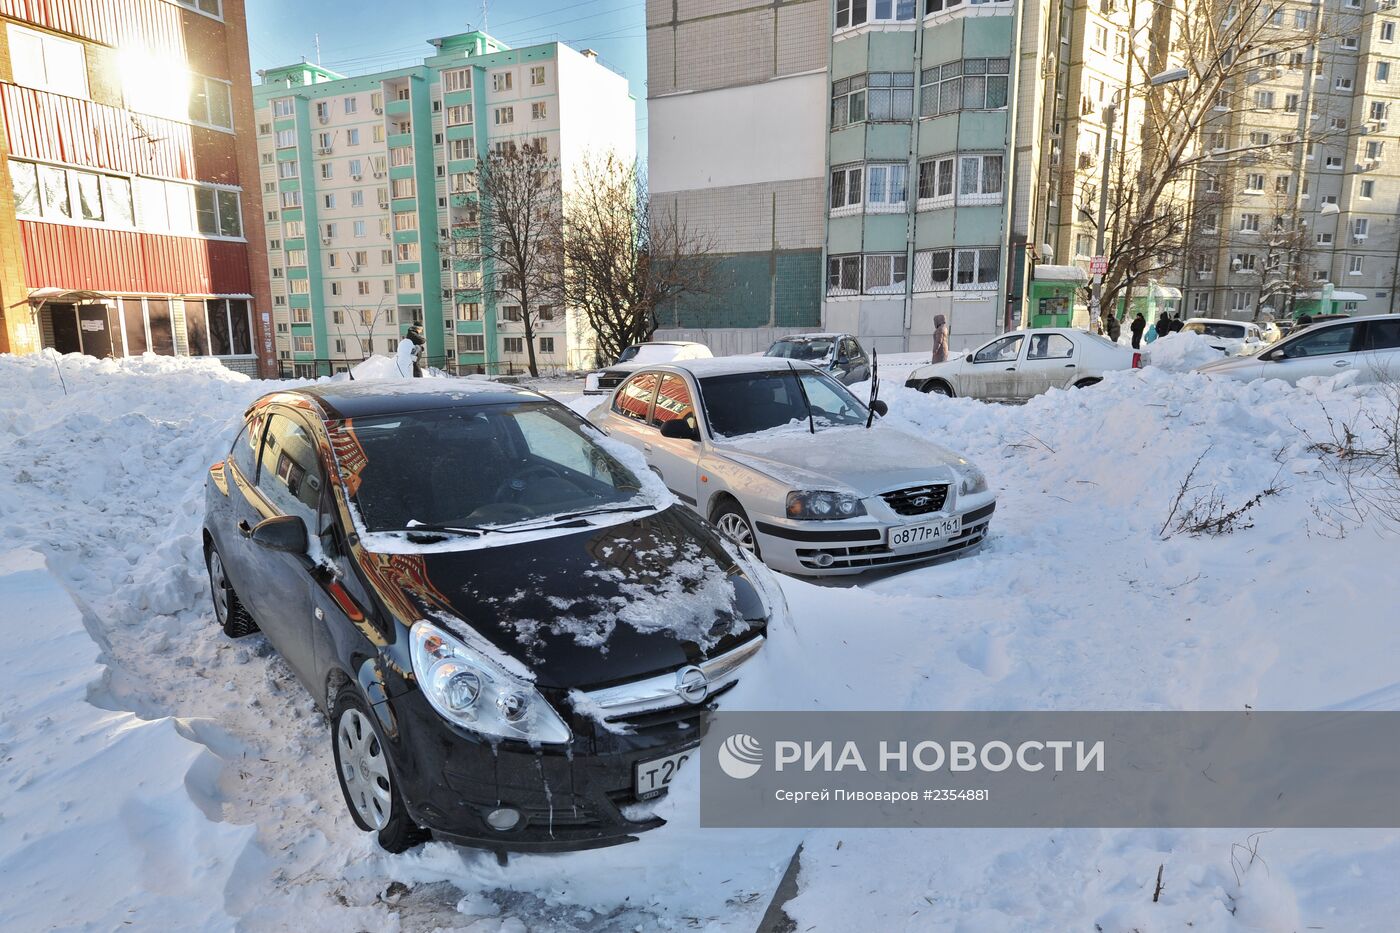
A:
(281, 533)
(680, 429)
(879, 407)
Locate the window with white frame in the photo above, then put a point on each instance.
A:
(211, 102)
(1290, 103)
(843, 275)
(933, 270)
(1360, 228)
(847, 186)
(1263, 100)
(286, 139)
(1249, 223)
(1200, 303)
(352, 136)
(1323, 239)
(979, 178)
(884, 273)
(536, 75)
(458, 149)
(458, 79)
(501, 81)
(403, 188)
(1374, 148)
(458, 114)
(936, 181)
(976, 268)
(539, 110)
(513, 344)
(50, 192)
(1388, 31)
(291, 199)
(1368, 189)
(47, 62)
(1241, 301)
(970, 84)
(214, 8)
(282, 107)
(505, 116)
(886, 186)
(848, 101)
(299, 287)
(1356, 265)
(1244, 262)
(287, 169)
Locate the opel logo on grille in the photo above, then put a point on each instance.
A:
(921, 501)
(692, 684)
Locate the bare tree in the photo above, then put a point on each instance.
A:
(1220, 46)
(363, 322)
(521, 219)
(622, 261)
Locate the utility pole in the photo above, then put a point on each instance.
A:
(1110, 114)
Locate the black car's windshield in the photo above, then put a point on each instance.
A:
(801, 349)
(746, 403)
(477, 466)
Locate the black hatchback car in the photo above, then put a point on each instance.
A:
(514, 636)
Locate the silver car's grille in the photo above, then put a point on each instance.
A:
(917, 500)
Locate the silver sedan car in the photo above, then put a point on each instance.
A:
(790, 465)
(1018, 365)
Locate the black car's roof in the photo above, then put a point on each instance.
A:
(351, 399)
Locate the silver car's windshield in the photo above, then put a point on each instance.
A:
(801, 349)
(1211, 329)
(746, 403)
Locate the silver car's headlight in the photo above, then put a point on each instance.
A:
(468, 689)
(817, 505)
(973, 481)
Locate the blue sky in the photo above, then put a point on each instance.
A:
(360, 36)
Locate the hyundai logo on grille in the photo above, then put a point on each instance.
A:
(692, 685)
(921, 501)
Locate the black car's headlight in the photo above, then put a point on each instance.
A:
(476, 693)
(809, 505)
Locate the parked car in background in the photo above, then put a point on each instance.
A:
(1270, 331)
(641, 354)
(1370, 346)
(1233, 338)
(514, 636)
(778, 455)
(1285, 328)
(1025, 363)
(1325, 318)
(841, 355)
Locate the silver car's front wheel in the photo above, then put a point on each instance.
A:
(734, 525)
(364, 769)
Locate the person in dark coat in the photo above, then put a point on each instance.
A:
(1177, 323)
(1139, 325)
(1115, 330)
(1164, 325)
(420, 343)
(1303, 321)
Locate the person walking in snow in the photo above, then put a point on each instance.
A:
(1139, 325)
(410, 350)
(1177, 323)
(940, 339)
(1164, 325)
(1150, 334)
(1112, 328)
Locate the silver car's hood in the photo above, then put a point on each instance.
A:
(850, 458)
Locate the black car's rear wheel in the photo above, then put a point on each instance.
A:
(366, 780)
(233, 617)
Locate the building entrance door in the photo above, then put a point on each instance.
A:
(65, 328)
(95, 331)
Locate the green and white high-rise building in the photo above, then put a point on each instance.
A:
(373, 218)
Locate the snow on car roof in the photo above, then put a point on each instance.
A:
(358, 399)
(811, 337)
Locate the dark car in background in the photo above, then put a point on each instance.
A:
(841, 355)
(515, 637)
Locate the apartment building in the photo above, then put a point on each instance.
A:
(128, 224)
(373, 216)
(1310, 221)
(737, 95)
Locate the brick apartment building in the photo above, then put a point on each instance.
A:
(131, 219)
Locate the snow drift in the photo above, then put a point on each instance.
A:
(1079, 600)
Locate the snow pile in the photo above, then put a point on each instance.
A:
(128, 808)
(1181, 352)
(1078, 600)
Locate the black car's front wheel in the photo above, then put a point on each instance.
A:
(362, 764)
(233, 617)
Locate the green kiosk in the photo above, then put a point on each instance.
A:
(1052, 294)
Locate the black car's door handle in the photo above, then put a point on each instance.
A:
(245, 529)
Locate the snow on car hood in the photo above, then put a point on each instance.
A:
(846, 458)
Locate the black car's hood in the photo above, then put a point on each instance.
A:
(596, 606)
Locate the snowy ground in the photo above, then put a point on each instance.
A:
(159, 775)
